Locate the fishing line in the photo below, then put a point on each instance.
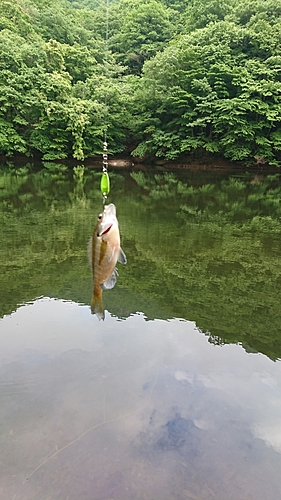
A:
(105, 183)
(104, 422)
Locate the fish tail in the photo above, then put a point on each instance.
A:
(97, 306)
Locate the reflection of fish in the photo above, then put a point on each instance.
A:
(103, 252)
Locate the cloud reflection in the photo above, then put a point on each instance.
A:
(149, 406)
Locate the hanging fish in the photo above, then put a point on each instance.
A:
(103, 252)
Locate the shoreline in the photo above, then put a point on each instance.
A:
(126, 161)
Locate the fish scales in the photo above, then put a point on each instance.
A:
(104, 250)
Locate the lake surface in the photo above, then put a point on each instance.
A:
(177, 394)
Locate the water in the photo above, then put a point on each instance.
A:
(176, 395)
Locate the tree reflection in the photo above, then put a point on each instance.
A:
(200, 246)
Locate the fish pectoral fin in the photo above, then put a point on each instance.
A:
(122, 257)
(110, 282)
(111, 255)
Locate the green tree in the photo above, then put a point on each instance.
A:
(146, 28)
(13, 18)
(200, 77)
(206, 92)
(199, 13)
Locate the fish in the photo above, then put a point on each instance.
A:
(104, 251)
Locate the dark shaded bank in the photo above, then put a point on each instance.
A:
(191, 162)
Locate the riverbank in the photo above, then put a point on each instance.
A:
(189, 162)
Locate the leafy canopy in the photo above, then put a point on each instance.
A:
(198, 77)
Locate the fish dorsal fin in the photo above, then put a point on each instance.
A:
(122, 257)
(110, 282)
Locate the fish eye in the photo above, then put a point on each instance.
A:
(100, 216)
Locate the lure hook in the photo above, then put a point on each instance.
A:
(105, 183)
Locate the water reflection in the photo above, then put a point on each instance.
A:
(202, 246)
(145, 405)
(133, 409)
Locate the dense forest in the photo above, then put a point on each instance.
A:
(164, 77)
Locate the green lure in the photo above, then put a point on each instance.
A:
(104, 183)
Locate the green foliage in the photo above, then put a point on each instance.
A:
(145, 29)
(10, 141)
(200, 13)
(179, 77)
(14, 18)
(206, 93)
